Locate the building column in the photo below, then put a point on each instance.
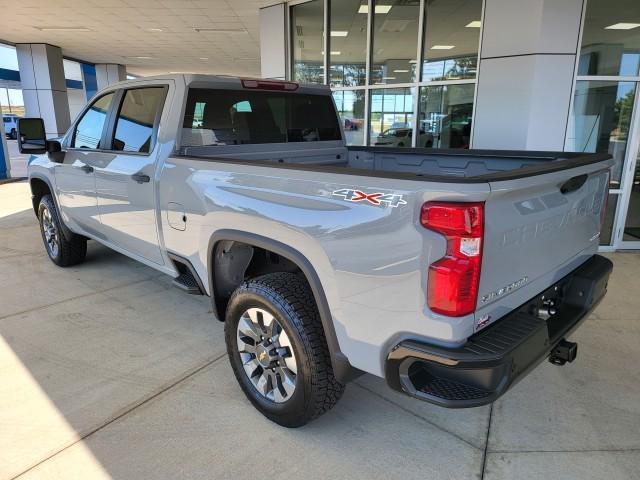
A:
(43, 86)
(89, 81)
(109, 73)
(273, 41)
(5, 164)
(527, 63)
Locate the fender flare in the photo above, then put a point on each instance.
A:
(68, 234)
(342, 369)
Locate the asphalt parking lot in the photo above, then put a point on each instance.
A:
(106, 371)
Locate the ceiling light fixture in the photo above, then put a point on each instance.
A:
(339, 33)
(401, 71)
(474, 24)
(622, 26)
(442, 47)
(388, 78)
(141, 57)
(64, 29)
(154, 30)
(204, 58)
(220, 30)
(378, 9)
(333, 52)
(413, 61)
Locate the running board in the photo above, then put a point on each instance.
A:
(186, 282)
(187, 279)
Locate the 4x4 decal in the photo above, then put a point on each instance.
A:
(377, 198)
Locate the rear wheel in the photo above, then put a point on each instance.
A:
(278, 351)
(14, 134)
(62, 251)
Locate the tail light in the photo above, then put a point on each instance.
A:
(453, 280)
(268, 85)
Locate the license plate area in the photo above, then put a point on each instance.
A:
(571, 297)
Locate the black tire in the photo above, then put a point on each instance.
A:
(289, 299)
(69, 251)
(14, 134)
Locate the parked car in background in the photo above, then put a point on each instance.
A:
(401, 137)
(351, 124)
(10, 122)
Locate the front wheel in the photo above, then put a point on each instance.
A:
(278, 351)
(14, 134)
(62, 251)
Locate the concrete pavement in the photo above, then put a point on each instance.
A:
(106, 371)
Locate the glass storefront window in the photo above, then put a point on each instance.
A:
(348, 44)
(445, 114)
(611, 38)
(391, 119)
(395, 41)
(350, 105)
(601, 120)
(452, 35)
(307, 42)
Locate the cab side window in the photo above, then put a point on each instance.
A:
(136, 119)
(89, 129)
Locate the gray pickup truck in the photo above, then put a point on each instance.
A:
(450, 273)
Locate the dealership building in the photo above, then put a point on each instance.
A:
(531, 75)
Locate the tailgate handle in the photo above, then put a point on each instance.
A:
(573, 184)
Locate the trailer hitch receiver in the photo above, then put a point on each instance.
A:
(563, 352)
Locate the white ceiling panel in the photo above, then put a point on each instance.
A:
(120, 30)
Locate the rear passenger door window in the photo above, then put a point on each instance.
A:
(88, 131)
(136, 121)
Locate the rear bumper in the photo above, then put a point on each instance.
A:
(494, 359)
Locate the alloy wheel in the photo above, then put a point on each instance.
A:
(267, 355)
(50, 233)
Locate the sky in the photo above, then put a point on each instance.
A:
(8, 57)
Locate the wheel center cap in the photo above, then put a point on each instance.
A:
(263, 356)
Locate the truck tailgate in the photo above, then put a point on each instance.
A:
(537, 229)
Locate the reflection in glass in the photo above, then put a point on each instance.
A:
(445, 114)
(601, 119)
(348, 44)
(610, 41)
(134, 126)
(452, 35)
(609, 217)
(350, 105)
(307, 23)
(632, 222)
(391, 117)
(395, 40)
(89, 128)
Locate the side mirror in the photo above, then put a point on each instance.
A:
(31, 136)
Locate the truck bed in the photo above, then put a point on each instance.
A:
(438, 165)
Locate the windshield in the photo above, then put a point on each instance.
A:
(240, 117)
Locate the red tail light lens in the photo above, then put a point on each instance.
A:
(453, 281)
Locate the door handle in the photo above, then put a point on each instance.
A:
(86, 168)
(141, 177)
